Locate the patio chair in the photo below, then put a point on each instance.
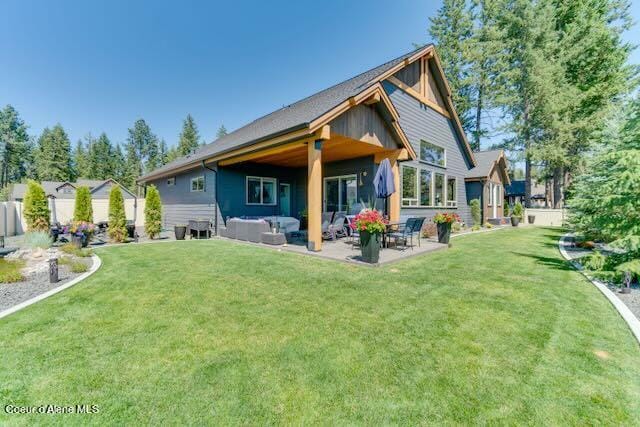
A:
(405, 232)
(354, 233)
(327, 220)
(338, 227)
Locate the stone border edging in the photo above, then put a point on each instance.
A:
(97, 262)
(623, 310)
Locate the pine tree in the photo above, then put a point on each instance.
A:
(15, 148)
(222, 131)
(118, 164)
(80, 165)
(36, 207)
(53, 155)
(451, 30)
(141, 150)
(152, 212)
(189, 137)
(83, 209)
(163, 152)
(117, 219)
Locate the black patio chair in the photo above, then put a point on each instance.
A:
(327, 220)
(338, 226)
(406, 231)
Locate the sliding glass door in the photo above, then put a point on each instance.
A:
(340, 193)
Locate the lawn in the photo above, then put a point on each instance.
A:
(496, 329)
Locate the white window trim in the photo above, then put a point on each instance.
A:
(262, 180)
(415, 200)
(444, 150)
(194, 179)
(454, 203)
(171, 181)
(338, 177)
(448, 204)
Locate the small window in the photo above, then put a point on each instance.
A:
(171, 181)
(426, 179)
(432, 154)
(197, 184)
(439, 189)
(452, 200)
(409, 186)
(261, 191)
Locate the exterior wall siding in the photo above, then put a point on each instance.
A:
(180, 204)
(421, 122)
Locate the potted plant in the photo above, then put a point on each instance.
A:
(371, 224)
(531, 218)
(516, 214)
(180, 230)
(443, 222)
(81, 232)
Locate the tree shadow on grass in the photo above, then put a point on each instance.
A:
(557, 263)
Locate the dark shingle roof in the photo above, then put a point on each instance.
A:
(286, 119)
(484, 163)
(50, 188)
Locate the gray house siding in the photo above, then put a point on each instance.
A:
(180, 204)
(421, 122)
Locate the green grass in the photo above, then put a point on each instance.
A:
(495, 330)
(10, 271)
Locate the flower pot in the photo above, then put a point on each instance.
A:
(80, 241)
(180, 231)
(515, 221)
(444, 232)
(531, 218)
(370, 246)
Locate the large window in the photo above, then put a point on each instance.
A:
(197, 183)
(432, 154)
(261, 191)
(409, 186)
(425, 188)
(452, 200)
(439, 189)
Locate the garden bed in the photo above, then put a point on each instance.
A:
(29, 273)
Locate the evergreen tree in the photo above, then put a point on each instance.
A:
(189, 137)
(118, 164)
(53, 155)
(141, 149)
(172, 154)
(451, 31)
(83, 209)
(163, 152)
(222, 131)
(80, 161)
(15, 148)
(117, 219)
(152, 212)
(36, 207)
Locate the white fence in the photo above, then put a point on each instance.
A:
(546, 217)
(12, 220)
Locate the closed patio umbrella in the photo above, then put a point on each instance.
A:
(383, 182)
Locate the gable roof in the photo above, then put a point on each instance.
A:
(486, 162)
(51, 187)
(112, 181)
(301, 114)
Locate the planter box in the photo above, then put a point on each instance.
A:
(444, 232)
(370, 246)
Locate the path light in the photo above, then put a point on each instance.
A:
(627, 283)
(53, 270)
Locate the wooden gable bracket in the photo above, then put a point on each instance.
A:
(373, 99)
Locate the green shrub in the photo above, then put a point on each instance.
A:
(36, 207)
(517, 210)
(37, 239)
(488, 225)
(117, 218)
(152, 212)
(476, 227)
(71, 249)
(506, 210)
(83, 211)
(10, 271)
(456, 227)
(74, 265)
(475, 211)
(594, 261)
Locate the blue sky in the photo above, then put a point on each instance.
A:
(99, 66)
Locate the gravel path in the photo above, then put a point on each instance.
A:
(14, 293)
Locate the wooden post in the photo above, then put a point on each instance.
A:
(394, 199)
(314, 195)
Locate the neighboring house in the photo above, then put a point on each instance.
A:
(321, 153)
(67, 190)
(487, 182)
(515, 193)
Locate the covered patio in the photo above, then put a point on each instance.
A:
(332, 169)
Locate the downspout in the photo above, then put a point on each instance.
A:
(215, 189)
